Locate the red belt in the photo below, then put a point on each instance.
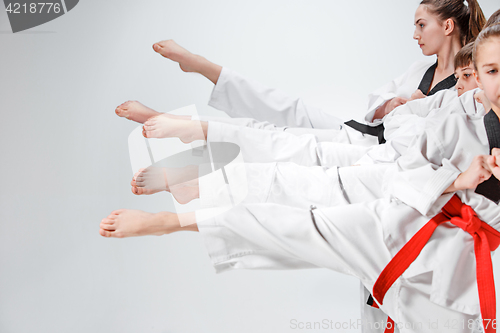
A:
(486, 239)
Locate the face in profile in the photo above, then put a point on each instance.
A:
(465, 79)
(429, 31)
(488, 64)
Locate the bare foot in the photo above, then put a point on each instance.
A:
(135, 111)
(188, 62)
(149, 181)
(128, 223)
(154, 179)
(185, 192)
(172, 126)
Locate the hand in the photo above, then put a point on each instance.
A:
(479, 171)
(493, 161)
(394, 103)
(480, 97)
(388, 106)
(417, 95)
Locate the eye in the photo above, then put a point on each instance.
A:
(492, 71)
(421, 25)
(467, 76)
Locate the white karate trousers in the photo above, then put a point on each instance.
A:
(274, 229)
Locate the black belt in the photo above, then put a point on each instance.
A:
(377, 131)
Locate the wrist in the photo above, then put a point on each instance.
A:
(458, 183)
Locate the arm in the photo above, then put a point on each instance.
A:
(479, 171)
(383, 100)
(435, 160)
(240, 97)
(442, 103)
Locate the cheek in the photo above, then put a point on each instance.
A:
(471, 84)
(492, 91)
(432, 40)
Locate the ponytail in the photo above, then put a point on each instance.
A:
(476, 21)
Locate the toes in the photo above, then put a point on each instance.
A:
(147, 133)
(117, 212)
(122, 112)
(156, 47)
(107, 226)
(135, 190)
(151, 121)
(108, 234)
(148, 127)
(104, 233)
(137, 174)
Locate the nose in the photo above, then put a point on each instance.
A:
(459, 86)
(415, 35)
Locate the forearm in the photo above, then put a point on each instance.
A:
(381, 111)
(453, 187)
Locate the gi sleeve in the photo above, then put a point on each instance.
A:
(425, 171)
(387, 92)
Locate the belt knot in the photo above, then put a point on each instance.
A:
(468, 220)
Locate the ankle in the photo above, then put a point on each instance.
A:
(208, 69)
(169, 221)
(199, 64)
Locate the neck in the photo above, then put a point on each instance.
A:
(496, 110)
(446, 56)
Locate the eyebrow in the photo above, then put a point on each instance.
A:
(420, 19)
(492, 64)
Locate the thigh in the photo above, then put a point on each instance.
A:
(347, 239)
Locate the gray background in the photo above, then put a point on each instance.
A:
(65, 164)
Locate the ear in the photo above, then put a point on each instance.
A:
(449, 26)
(476, 76)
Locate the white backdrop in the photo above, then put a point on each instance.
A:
(65, 165)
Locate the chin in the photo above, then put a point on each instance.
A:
(427, 53)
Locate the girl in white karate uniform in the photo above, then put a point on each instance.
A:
(438, 291)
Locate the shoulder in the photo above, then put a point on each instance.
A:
(453, 126)
(422, 64)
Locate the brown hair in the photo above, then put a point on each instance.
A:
(487, 33)
(464, 57)
(494, 18)
(469, 19)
